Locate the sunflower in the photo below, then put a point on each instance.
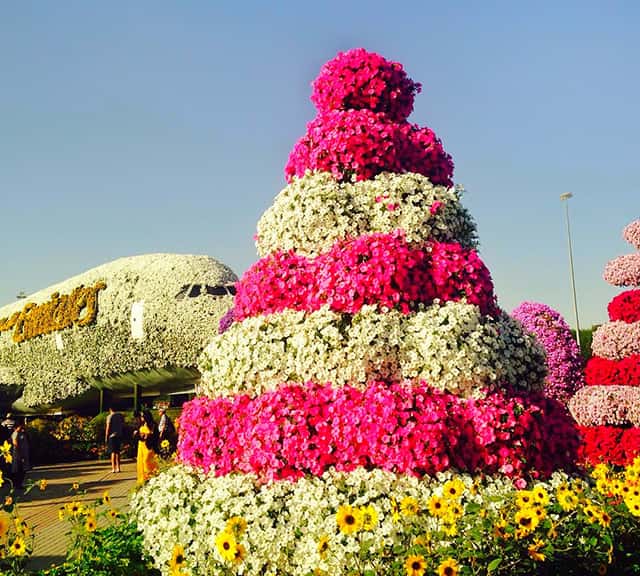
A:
(226, 545)
(527, 521)
(18, 547)
(395, 513)
(415, 566)
(90, 523)
(448, 567)
(62, 513)
(5, 452)
(42, 484)
(453, 489)
(524, 498)
(177, 559)
(540, 495)
(568, 500)
(75, 508)
(634, 506)
(409, 506)
(323, 545)
(106, 499)
(241, 554)
(369, 517)
(604, 519)
(236, 525)
(113, 514)
(75, 486)
(436, 505)
(22, 527)
(349, 519)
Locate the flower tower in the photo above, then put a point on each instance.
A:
(608, 408)
(565, 366)
(365, 354)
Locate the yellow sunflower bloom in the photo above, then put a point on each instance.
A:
(395, 513)
(409, 506)
(524, 498)
(237, 525)
(568, 500)
(323, 545)
(90, 523)
(241, 554)
(369, 517)
(75, 486)
(415, 566)
(526, 521)
(18, 547)
(42, 484)
(106, 498)
(453, 489)
(540, 495)
(448, 568)
(226, 545)
(113, 514)
(436, 506)
(5, 523)
(177, 559)
(349, 519)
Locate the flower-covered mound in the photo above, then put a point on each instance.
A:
(611, 444)
(175, 325)
(631, 234)
(623, 270)
(359, 79)
(403, 428)
(606, 405)
(360, 144)
(314, 212)
(625, 307)
(604, 372)
(451, 346)
(564, 361)
(380, 268)
(616, 340)
(380, 523)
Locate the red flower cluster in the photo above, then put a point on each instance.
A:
(376, 269)
(625, 307)
(605, 372)
(400, 427)
(361, 144)
(609, 444)
(359, 79)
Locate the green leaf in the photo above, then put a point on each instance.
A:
(494, 564)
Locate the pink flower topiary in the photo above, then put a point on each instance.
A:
(623, 270)
(625, 307)
(606, 405)
(632, 234)
(564, 361)
(616, 340)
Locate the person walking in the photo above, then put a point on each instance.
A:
(166, 435)
(114, 431)
(19, 455)
(147, 464)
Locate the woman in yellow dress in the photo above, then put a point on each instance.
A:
(147, 464)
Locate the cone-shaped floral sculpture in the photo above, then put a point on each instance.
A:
(608, 408)
(364, 354)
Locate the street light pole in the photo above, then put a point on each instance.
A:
(565, 198)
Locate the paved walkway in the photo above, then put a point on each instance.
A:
(40, 508)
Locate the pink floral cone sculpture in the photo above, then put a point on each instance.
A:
(365, 353)
(608, 408)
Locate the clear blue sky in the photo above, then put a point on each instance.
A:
(153, 126)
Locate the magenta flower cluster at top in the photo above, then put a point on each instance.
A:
(359, 144)
(632, 234)
(399, 427)
(361, 130)
(359, 79)
(625, 307)
(375, 269)
(564, 361)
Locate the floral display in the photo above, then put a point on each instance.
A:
(612, 444)
(359, 144)
(359, 272)
(358, 79)
(623, 270)
(612, 405)
(364, 364)
(315, 211)
(564, 361)
(608, 409)
(451, 346)
(604, 372)
(403, 428)
(175, 326)
(625, 307)
(379, 522)
(616, 340)
(631, 234)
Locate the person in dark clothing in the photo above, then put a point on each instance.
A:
(19, 455)
(114, 431)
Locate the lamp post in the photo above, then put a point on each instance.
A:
(565, 198)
